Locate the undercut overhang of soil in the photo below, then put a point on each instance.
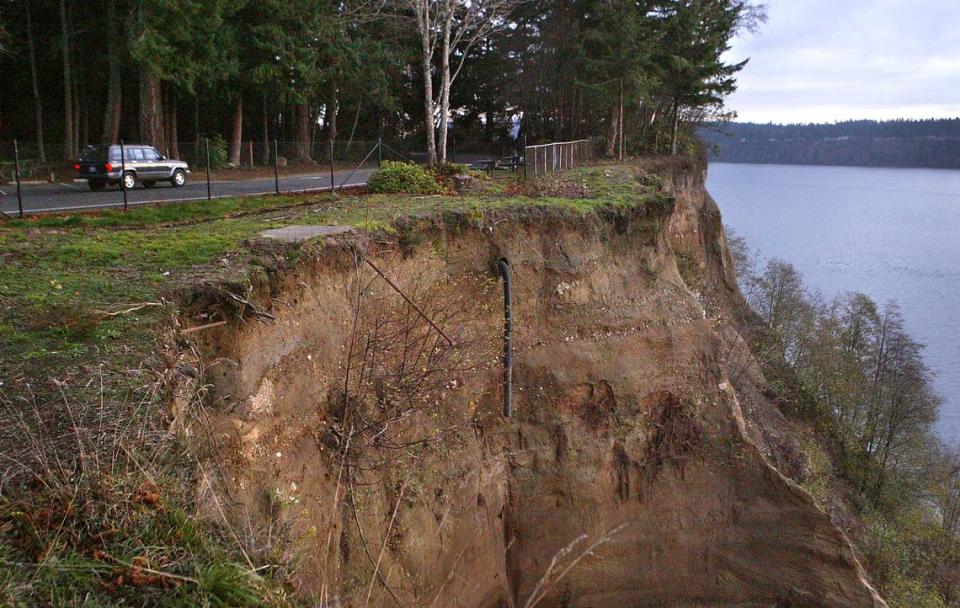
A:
(364, 449)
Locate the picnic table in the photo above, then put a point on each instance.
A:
(509, 163)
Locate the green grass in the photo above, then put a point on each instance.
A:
(84, 300)
(62, 276)
(194, 211)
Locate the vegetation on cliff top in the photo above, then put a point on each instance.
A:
(95, 501)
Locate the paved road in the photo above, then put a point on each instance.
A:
(72, 196)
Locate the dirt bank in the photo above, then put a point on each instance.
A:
(355, 434)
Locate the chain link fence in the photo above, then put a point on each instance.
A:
(35, 180)
(32, 183)
(555, 157)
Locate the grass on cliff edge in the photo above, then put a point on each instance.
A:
(67, 283)
(92, 504)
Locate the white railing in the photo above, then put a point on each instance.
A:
(557, 156)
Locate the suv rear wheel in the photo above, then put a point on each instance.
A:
(129, 180)
(179, 178)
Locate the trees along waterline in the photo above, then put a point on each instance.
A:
(850, 370)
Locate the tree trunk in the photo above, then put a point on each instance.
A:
(674, 129)
(196, 127)
(427, 53)
(445, 112)
(68, 143)
(111, 113)
(623, 141)
(333, 110)
(445, 86)
(353, 130)
(151, 110)
(265, 151)
(173, 147)
(303, 132)
(85, 120)
(612, 131)
(236, 138)
(37, 106)
(76, 113)
(489, 123)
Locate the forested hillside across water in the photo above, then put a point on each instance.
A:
(864, 143)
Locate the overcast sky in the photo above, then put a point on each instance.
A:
(828, 60)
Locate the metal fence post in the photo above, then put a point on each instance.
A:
(123, 173)
(331, 166)
(16, 172)
(524, 158)
(276, 166)
(379, 152)
(207, 143)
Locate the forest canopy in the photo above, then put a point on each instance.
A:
(638, 72)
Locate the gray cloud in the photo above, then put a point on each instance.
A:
(826, 60)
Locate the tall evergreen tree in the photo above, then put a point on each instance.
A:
(293, 67)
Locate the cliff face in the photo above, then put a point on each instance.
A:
(352, 440)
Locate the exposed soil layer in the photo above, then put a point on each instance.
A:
(366, 449)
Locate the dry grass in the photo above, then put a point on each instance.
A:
(93, 505)
(565, 560)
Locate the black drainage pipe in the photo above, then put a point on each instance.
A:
(504, 267)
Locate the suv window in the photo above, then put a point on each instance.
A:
(150, 154)
(94, 154)
(135, 154)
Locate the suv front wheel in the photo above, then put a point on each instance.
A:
(179, 178)
(129, 180)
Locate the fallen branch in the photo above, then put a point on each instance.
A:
(160, 573)
(410, 302)
(256, 311)
(132, 308)
(191, 330)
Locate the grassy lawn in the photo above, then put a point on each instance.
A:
(84, 304)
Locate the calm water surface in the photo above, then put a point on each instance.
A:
(893, 234)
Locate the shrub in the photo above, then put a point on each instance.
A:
(218, 153)
(403, 177)
(451, 169)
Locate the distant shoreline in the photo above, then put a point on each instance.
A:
(913, 144)
(714, 160)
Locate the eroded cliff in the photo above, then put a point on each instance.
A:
(353, 428)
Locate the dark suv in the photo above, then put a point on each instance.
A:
(101, 165)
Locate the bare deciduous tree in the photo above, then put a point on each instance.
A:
(452, 28)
